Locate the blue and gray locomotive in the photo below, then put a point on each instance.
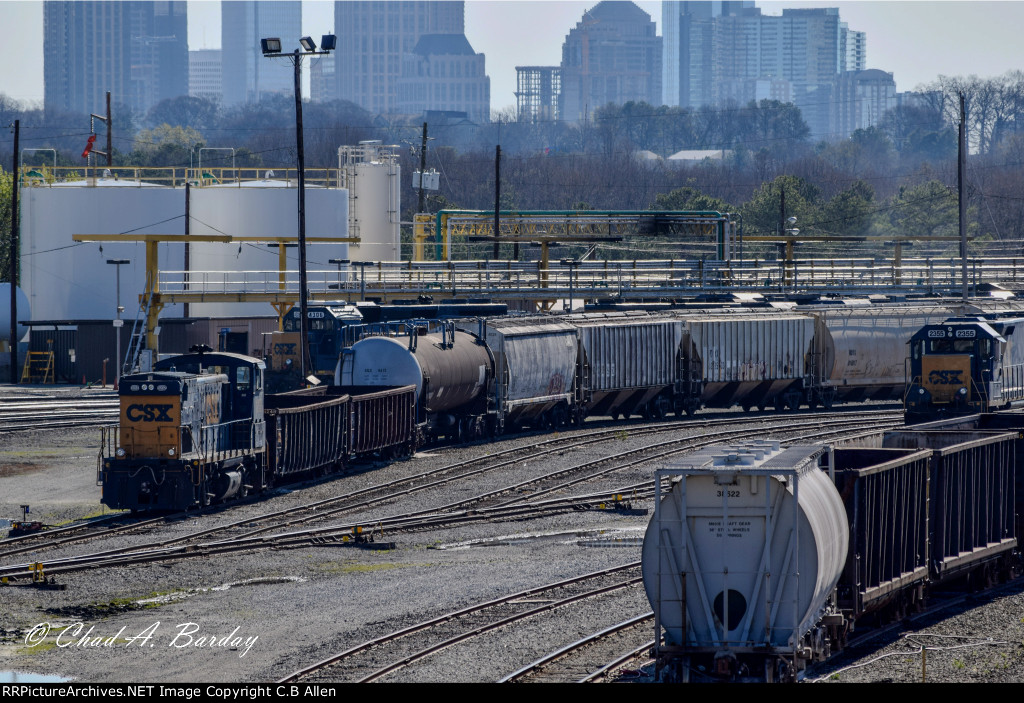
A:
(191, 431)
(966, 365)
(200, 428)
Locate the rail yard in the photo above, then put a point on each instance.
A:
(448, 566)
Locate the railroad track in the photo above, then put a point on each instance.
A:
(421, 640)
(50, 413)
(472, 509)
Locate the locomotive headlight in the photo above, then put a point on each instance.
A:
(963, 391)
(170, 452)
(120, 451)
(920, 391)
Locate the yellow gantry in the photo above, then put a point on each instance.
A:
(282, 301)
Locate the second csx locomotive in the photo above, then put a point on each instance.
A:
(966, 365)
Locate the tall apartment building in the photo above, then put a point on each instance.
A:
(204, 74)
(373, 38)
(613, 55)
(688, 58)
(860, 100)
(246, 74)
(136, 50)
(443, 73)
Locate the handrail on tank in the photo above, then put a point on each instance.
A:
(177, 176)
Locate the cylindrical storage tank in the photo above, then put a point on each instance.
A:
(448, 371)
(372, 176)
(24, 313)
(262, 208)
(745, 548)
(67, 280)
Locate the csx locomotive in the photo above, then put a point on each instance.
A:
(333, 327)
(191, 431)
(200, 428)
(966, 365)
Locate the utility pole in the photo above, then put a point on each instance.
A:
(92, 117)
(961, 175)
(188, 230)
(12, 252)
(423, 168)
(497, 196)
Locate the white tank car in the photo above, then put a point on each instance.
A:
(741, 558)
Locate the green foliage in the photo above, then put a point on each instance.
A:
(691, 199)
(762, 213)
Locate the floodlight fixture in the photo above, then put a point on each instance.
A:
(270, 45)
(328, 42)
(308, 44)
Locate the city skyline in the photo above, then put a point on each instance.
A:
(913, 39)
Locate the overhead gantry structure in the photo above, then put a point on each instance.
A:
(152, 300)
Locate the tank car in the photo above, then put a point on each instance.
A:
(451, 372)
(191, 432)
(966, 365)
(741, 558)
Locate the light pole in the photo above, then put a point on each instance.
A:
(118, 322)
(272, 49)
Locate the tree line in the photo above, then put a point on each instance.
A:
(895, 178)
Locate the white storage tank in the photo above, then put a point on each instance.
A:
(66, 280)
(262, 208)
(744, 550)
(370, 172)
(24, 312)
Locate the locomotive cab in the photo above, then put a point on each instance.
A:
(964, 365)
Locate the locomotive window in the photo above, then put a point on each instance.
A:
(291, 325)
(915, 350)
(242, 378)
(950, 346)
(318, 324)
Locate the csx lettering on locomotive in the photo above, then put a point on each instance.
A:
(945, 377)
(149, 412)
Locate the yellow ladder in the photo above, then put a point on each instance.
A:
(38, 364)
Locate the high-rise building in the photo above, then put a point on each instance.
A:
(323, 87)
(246, 74)
(613, 55)
(374, 36)
(136, 50)
(443, 73)
(688, 58)
(860, 100)
(204, 74)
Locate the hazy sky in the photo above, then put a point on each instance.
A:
(916, 40)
